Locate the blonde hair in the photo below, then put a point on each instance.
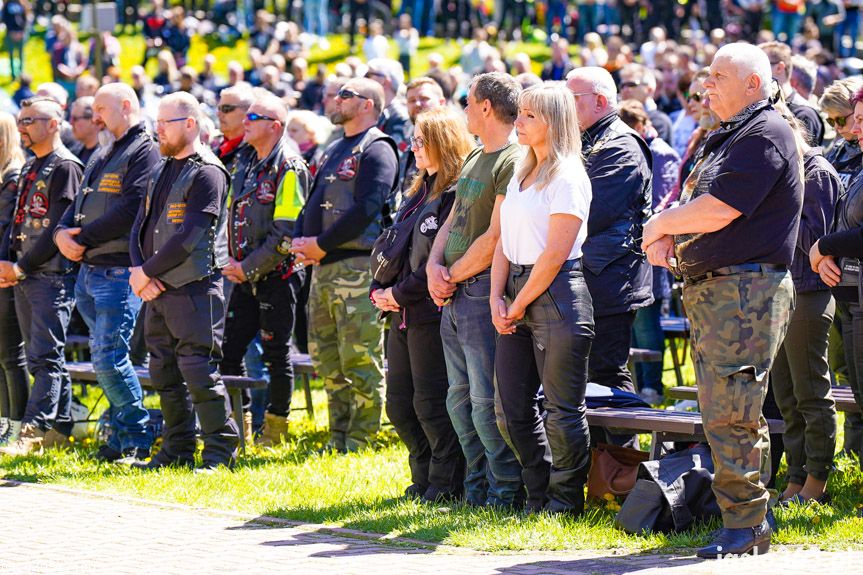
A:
(554, 105)
(11, 154)
(446, 140)
(838, 96)
(317, 126)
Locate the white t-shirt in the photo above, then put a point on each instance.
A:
(525, 215)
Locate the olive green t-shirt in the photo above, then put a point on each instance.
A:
(483, 177)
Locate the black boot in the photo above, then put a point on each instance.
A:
(745, 541)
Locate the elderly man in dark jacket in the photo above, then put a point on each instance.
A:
(618, 276)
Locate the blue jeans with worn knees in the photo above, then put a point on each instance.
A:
(109, 308)
(469, 338)
(44, 304)
(647, 334)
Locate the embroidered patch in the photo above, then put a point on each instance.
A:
(347, 170)
(284, 246)
(429, 225)
(266, 192)
(38, 205)
(175, 212)
(46, 222)
(37, 224)
(110, 183)
(41, 185)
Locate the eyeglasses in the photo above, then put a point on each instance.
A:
(839, 122)
(32, 120)
(577, 94)
(84, 117)
(228, 108)
(345, 94)
(416, 142)
(253, 117)
(695, 97)
(171, 121)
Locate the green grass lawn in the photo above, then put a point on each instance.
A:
(362, 490)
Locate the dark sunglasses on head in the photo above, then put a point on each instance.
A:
(838, 122)
(228, 108)
(625, 85)
(346, 94)
(253, 117)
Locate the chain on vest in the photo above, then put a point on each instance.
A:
(338, 176)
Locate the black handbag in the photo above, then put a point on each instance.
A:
(391, 249)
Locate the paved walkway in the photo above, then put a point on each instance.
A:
(58, 531)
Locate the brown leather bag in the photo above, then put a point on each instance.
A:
(613, 470)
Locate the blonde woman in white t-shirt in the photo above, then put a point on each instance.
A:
(540, 304)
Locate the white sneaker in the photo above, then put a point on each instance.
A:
(4, 425)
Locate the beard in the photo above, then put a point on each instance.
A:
(106, 138)
(170, 150)
(339, 117)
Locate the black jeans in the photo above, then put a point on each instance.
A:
(550, 348)
(416, 405)
(184, 330)
(14, 383)
(852, 338)
(267, 306)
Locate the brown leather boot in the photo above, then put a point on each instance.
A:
(275, 430)
(247, 428)
(54, 439)
(29, 441)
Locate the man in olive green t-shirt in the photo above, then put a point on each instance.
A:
(459, 278)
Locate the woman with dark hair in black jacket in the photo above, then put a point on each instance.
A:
(416, 374)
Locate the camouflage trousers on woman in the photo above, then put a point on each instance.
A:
(738, 323)
(346, 347)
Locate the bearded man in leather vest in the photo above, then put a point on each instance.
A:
(44, 280)
(336, 230)
(95, 231)
(268, 187)
(178, 246)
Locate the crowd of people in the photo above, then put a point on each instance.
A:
(517, 233)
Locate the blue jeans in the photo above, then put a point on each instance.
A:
(647, 334)
(850, 27)
(556, 9)
(256, 368)
(469, 338)
(316, 17)
(44, 304)
(109, 308)
(786, 23)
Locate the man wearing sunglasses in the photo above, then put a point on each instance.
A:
(95, 231)
(44, 280)
(637, 82)
(268, 186)
(234, 102)
(178, 246)
(337, 228)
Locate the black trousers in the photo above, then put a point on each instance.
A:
(184, 330)
(550, 347)
(267, 306)
(14, 382)
(609, 354)
(416, 405)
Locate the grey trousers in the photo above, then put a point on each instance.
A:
(801, 386)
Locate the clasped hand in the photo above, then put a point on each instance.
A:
(143, 286)
(384, 300)
(504, 318)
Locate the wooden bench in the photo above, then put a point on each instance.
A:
(83, 373)
(663, 425)
(676, 329)
(842, 395)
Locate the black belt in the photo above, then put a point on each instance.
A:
(734, 270)
(568, 266)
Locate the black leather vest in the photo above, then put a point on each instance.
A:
(101, 189)
(37, 203)
(211, 252)
(338, 176)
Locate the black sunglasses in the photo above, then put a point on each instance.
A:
(840, 122)
(228, 108)
(630, 85)
(345, 94)
(695, 97)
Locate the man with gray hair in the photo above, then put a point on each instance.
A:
(44, 280)
(394, 120)
(732, 240)
(638, 82)
(618, 162)
(234, 102)
(178, 245)
(95, 232)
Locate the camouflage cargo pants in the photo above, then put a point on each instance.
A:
(346, 346)
(738, 323)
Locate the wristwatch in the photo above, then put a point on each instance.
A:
(19, 273)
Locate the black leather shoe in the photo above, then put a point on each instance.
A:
(435, 495)
(161, 460)
(107, 454)
(733, 542)
(414, 491)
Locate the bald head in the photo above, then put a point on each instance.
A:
(595, 94)
(271, 105)
(264, 125)
(116, 107)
